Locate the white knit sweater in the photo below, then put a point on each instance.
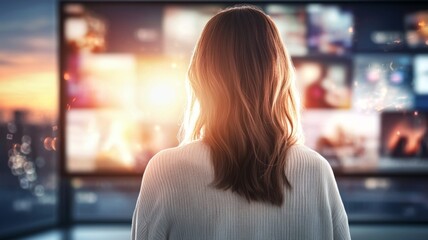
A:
(175, 201)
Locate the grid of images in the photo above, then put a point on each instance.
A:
(363, 83)
(126, 83)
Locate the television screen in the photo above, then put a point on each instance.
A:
(124, 82)
(360, 70)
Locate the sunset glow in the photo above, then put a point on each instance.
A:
(35, 91)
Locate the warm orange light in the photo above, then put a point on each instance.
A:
(162, 94)
(31, 91)
(66, 76)
(413, 141)
(117, 144)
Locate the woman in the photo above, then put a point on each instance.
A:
(241, 171)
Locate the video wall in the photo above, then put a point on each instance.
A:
(362, 77)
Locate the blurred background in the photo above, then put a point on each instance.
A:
(91, 90)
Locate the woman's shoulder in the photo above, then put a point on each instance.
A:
(301, 158)
(169, 161)
(303, 152)
(181, 153)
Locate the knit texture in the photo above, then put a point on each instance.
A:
(175, 201)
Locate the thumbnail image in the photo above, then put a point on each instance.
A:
(291, 23)
(83, 29)
(182, 26)
(323, 84)
(330, 29)
(404, 135)
(382, 82)
(346, 139)
(416, 25)
(114, 140)
(101, 80)
(125, 28)
(421, 74)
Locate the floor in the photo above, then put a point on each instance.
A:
(107, 232)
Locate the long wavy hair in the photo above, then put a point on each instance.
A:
(243, 103)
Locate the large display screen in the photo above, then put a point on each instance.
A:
(364, 91)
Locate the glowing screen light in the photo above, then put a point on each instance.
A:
(125, 104)
(123, 109)
(76, 29)
(162, 94)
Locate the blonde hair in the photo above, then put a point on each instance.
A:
(243, 103)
